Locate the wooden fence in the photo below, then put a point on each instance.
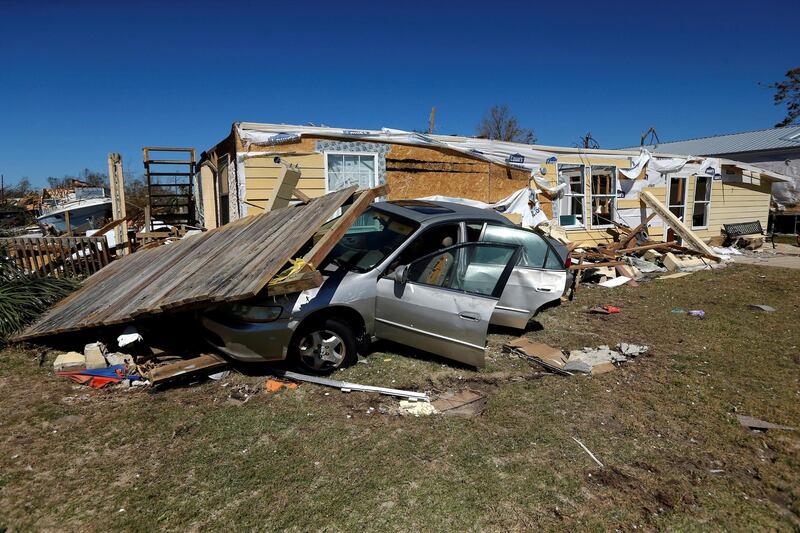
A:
(57, 256)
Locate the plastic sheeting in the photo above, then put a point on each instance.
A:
(517, 203)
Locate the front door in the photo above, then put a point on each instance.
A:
(676, 202)
(446, 300)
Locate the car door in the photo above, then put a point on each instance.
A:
(537, 280)
(442, 303)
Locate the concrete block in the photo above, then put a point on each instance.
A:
(95, 355)
(675, 263)
(653, 256)
(69, 361)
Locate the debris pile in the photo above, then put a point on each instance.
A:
(587, 360)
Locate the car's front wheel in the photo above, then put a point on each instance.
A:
(324, 346)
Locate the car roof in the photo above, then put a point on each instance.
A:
(425, 211)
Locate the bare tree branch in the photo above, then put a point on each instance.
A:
(501, 125)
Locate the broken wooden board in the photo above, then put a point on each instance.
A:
(689, 237)
(229, 263)
(186, 367)
(284, 189)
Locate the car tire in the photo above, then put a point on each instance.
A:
(323, 346)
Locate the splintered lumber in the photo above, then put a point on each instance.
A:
(300, 195)
(202, 364)
(690, 238)
(653, 246)
(623, 242)
(582, 266)
(233, 262)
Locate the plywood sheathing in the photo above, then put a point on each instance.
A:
(230, 263)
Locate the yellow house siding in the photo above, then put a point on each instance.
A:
(262, 175)
(732, 203)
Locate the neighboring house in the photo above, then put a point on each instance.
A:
(775, 149)
(584, 191)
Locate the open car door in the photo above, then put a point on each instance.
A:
(442, 302)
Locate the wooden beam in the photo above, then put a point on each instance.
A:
(186, 367)
(670, 244)
(117, 181)
(690, 238)
(300, 195)
(596, 265)
(295, 283)
(323, 246)
(108, 227)
(284, 188)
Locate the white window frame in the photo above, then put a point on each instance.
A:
(374, 156)
(568, 195)
(707, 201)
(613, 195)
(685, 193)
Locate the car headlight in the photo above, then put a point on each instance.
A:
(256, 313)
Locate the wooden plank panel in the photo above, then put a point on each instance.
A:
(229, 263)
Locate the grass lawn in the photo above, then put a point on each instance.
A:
(664, 426)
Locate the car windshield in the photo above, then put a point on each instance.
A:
(373, 236)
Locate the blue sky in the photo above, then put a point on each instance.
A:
(80, 79)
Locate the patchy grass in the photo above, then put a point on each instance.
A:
(675, 457)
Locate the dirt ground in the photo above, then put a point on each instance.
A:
(664, 426)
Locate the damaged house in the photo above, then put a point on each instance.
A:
(584, 191)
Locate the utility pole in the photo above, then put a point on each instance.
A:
(2, 189)
(432, 120)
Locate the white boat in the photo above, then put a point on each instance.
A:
(86, 205)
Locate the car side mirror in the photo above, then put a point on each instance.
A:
(401, 274)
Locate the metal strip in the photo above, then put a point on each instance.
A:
(347, 387)
(429, 334)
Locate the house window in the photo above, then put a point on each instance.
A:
(571, 213)
(676, 201)
(343, 170)
(604, 195)
(702, 201)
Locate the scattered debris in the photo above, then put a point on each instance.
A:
(186, 367)
(605, 309)
(550, 358)
(761, 307)
(632, 350)
(615, 282)
(274, 385)
(100, 377)
(595, 459)
(675, 275)
(129, 336)
(417, 408)
(696, 312)
(466, 403)
(760, 425)
(242, 393)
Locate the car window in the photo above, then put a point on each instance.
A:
(475, 268)
(534, 248)
(367, 243)
(554, 261)
(431, 240)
